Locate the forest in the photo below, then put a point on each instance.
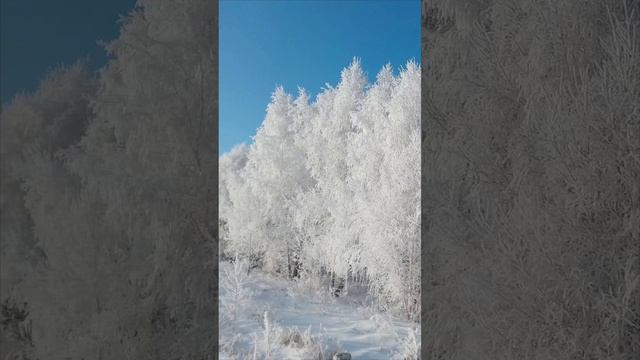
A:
(330, 188)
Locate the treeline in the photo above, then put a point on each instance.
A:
(332, 187)
(108, 198)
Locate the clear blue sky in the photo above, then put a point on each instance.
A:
(38, 35)
(302, 43)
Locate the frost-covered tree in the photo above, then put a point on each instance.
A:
(336, 130)
(229, 167)
(274, 172)
(398, 196)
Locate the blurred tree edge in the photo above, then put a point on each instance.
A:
(109, 198)
(531, 173)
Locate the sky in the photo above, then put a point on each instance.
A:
(38, 36)
(290, 43)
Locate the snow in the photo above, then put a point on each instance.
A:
(349, 323)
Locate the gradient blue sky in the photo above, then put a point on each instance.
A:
(302, 43)
(37, 35)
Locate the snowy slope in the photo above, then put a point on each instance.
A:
(345, 324)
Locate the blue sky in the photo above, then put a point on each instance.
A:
(302, 43)
(36, 36)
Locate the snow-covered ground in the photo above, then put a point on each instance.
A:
(304, 320)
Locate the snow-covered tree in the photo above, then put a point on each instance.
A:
(229, 166)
